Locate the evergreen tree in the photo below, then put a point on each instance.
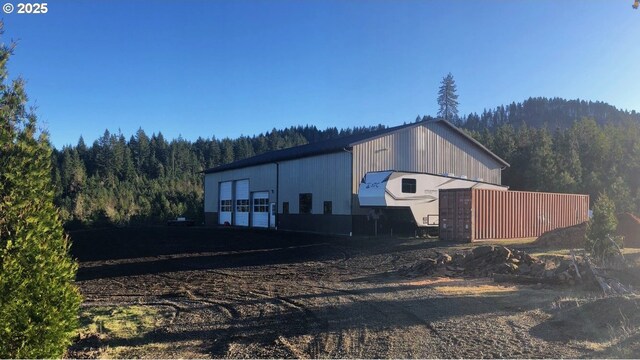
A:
(227, 151)
(448, 99)
(541, 166)
(600, 238)
(565, 147)
(39, 302)
(213, 158)
(504, 142)
(124, 166)
(140, 151)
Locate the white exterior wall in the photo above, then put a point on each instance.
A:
(327, 177)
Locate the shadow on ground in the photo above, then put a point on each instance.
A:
(116, 252)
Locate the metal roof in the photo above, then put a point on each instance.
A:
(334, 145)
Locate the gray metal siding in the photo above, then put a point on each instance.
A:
(430, 148)
(327, 177)
(462, 157)
(261, 178)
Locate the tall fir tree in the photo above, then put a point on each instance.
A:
(448, 99)
(39, 301)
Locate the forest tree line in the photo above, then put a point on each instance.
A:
(552, 145)
(149, 179)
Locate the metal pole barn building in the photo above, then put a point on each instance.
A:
(314, 187)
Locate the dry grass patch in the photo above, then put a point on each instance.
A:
(432, 281)
(478, 290)
(100, 325)
(123, 322)
(466, 287)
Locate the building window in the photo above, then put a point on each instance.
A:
(328, 207)
(409, 186)
(285, 207)
(261, 205)
(226, 205)
(305, 203)
(242, 205)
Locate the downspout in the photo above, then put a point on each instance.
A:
(501, 170)
(351, 190)
(277, 194)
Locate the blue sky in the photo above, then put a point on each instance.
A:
(226, 68)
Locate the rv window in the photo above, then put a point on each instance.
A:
(409, 186)
(328, 207)
(285, 207)
(305, 203)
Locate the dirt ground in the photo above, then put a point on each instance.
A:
(224, 293)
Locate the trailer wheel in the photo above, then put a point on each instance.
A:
(427, 232)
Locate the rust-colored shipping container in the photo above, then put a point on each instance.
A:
(483, 214)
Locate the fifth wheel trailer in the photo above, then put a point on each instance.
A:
(412, 197)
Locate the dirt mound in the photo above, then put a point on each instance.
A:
(571, 237)
(490, 260)
(629, 227)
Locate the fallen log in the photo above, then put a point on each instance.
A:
(606, 289)
(608, 284)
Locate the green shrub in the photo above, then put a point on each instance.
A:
(600, 237)
(39, 302)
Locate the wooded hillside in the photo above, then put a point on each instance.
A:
(552, 145)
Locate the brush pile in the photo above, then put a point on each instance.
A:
(510, 265)
(483, 261)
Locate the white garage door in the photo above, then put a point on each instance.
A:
(260, 210)
(242, 203)
(226, 203)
